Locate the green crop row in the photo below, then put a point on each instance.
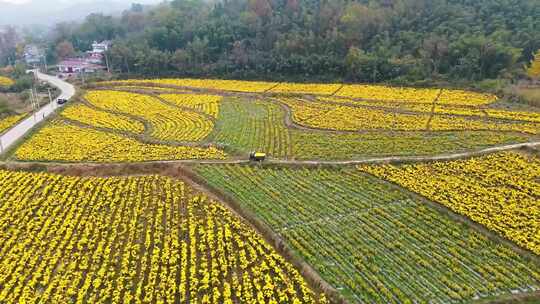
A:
(372, 242)
(245, 126)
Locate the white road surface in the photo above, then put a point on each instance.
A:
(17, 132)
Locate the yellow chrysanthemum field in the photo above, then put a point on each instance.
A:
(143, 191)
(500, 191)
(6, 81)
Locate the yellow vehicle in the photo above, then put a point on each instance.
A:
(257, 156)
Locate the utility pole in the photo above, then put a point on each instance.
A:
(50, 95)
(37, 99)
(33, 103)
(52, 105)
(82, 75)
(45, 62)
(107, 62)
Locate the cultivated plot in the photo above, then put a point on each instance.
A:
(145, 239)
(373, 243)
(499, 191)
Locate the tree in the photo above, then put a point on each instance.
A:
(261, 7)
(8, 45)
(181, 60)
(360, 66)
(534, 70)
(64, 50)
(434, 50)
(239, 54)
(361, 22)
(361, 40)
(199, 49)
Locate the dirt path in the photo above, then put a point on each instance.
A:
(532, 146)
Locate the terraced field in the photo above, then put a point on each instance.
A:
(168, 123)
(246, 126)
(65, 142)
(335, 122)
(407, 117)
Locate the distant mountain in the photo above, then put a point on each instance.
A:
(48, 12)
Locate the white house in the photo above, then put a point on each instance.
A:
(100, 47)
(33, 55)
(97, 54)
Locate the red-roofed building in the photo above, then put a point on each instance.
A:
(78, 65)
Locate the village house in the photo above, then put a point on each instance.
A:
(72, 66)
(97, 54)
(91, 63)
(33, 55)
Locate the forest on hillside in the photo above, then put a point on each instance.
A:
(351, 40)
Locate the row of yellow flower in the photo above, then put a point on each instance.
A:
(443, 109)
(90, 116)
(168, 122)
(386, 105)
(444, 96)
(143, 239)
(61, 141)
(208, 104)
(211, 84)
(147, 88)
(354, 118)
(346, 118)
(10, 121)
(370, 92)
(499, 191)
(6, 81)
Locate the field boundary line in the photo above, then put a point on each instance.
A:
(307, 163)
(399, 159)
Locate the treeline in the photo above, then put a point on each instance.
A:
(363, 40)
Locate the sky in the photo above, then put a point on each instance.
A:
(48, 12)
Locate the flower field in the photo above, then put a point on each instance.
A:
(248, 126)
(145, 239)
(62, 141)
(372, 242)
(321, 145)
(252, 126)
(364, 230)
(347, 118)
(437, 108)
(306, 88)
(154, 127)
(442, 96)
(367, 92)
(6, 81)
(499, 191)
(101, 119)
(208, 104)
(343, 116)
(168, 123)
(147, 88)
(8, 122)
(211, 84)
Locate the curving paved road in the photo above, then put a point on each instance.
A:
(18, 131)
